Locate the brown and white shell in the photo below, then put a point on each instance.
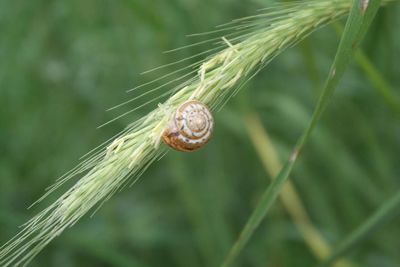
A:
(190, 128)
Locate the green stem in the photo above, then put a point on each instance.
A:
(380, 84)
(356, 27)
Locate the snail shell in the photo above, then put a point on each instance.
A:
(190, 128)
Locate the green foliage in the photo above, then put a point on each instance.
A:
(387, 211)
(64, 62)
(356, 26)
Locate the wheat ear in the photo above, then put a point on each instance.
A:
(112, 166)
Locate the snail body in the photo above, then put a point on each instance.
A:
(190, 128)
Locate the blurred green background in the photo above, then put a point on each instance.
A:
(62, 63)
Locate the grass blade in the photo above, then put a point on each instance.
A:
(387, 211)
(375, 77)
(360, 17)
(289, 196)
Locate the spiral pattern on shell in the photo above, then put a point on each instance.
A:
(190, 128)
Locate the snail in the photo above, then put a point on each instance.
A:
(190, 128)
